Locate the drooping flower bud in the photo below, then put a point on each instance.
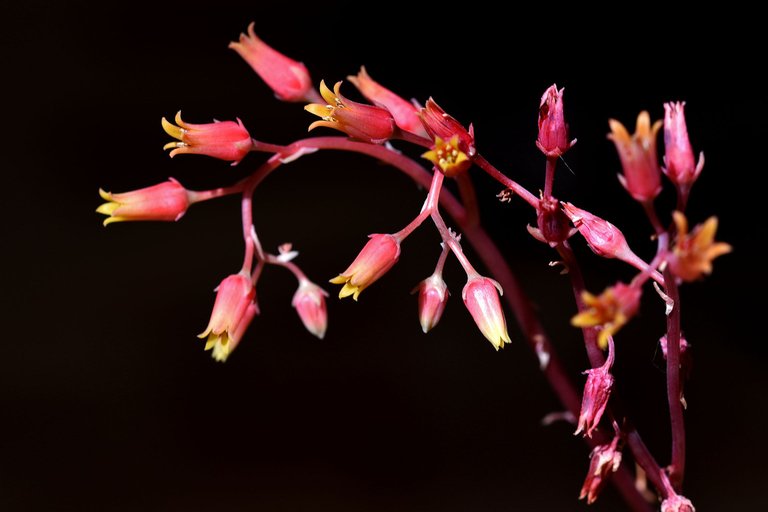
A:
(604, 460)
(309, 301)
(287, 78)
(367, 123)
(166, 201)
(610, 310)
(225, 140)
(377, 257)
(433, 296)
(679, 164)
(597, 391)
(481, 296)
(439, 124)
(693, 252)
(232, 313)
(642, 176)
(405, 113)
(553, 138)
(603, 238)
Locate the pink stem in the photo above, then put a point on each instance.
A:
(549, 176)
(674, 391)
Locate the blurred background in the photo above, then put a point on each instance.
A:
(109, 402)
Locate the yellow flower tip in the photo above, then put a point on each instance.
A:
(178, 120)
(602, 338)
(585, 319)
(221, 350)
(174, 145)
(327, 94)
(618, 132)
(340, 279)
(349, 289)
(172, 130)
(107, 196)
(110, 220)
(643, 125)
(681, 223)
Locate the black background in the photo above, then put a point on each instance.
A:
(108, 400)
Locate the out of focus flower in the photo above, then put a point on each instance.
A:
(679, 164)
(604, 460)
(642, 176)
(693, 252)
(405, 113)
(677, 503)
(287, 78)
(610, 310)
(309, 301)
(597, 391)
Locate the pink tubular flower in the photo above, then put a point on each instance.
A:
(441, 125)
(433, 296)
(680, 166)
(642, 176)
(309, 301)
(553, 138)
(287, 78)
(225, 140)
(232, 313)
(604, 460)
(603, 238)
(597, 391)
(677, 503)
(405, 113)
(377, 257)
(166, 201)
(362, 122)
(481, 296)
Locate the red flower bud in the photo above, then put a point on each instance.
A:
(377, 257)
(441, 125)
(604, 460)
(433, 296)
(309, 301)
(225, 140)
(165, 201)
(287, 78)
(553, 138)
(603, 238)
(363, 122)
(597, 391)
(232, 313)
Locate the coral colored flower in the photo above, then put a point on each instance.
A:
(309, 301)
(693, 252)
(610, 310)
(232, 313)
(677, 503)
(433, 296)
(363, 122)
(287, 78)
(603, 238)
(604, 460)
(553, 138)
(481, 296)
(439, 124)
(642, 176)
(447, 156)
(165, 201)
(377, 257)
(405, 113)
(679, 164)
(597, 391)
(225, 140)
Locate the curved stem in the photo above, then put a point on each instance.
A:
(507, 182)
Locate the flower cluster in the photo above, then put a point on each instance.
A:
(682, 254)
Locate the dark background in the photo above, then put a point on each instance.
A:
(108, 400)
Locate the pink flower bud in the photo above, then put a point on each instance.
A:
(225, 140)
(604, 460)
(362, 122)
(377, 257)
(309, 301)
(642, 176)
(165, 201)
(553, 138)
(680, 166)
(287, 78)
(232, 313)
(439, 124)
(405, 113)
(603, 238)
(481, 296)
(553, 227)
(597, 391)
(677, 503)
(433, 296)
